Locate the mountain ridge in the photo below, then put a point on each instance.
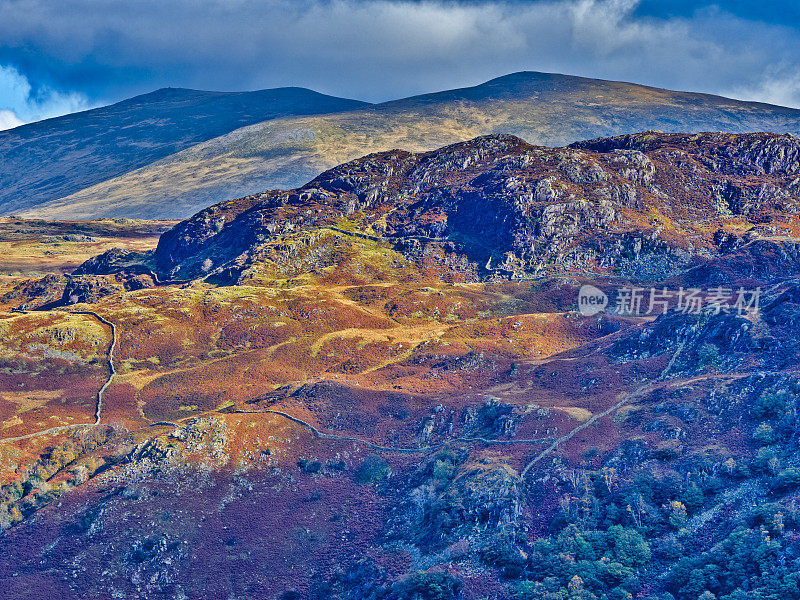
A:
(521, 77)
(78, 150)
(640, 205)
(545, 109)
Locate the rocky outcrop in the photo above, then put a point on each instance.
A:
(447, 500)
(496, 206)
(31, 294)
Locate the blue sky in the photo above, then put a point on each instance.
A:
(781, 12)
(67, 55)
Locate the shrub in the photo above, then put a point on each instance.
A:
(336, 465)
(443, 470)
(429, 586)
(309, 466)
(501, 552)
(764, 435)
(789, 478)
(5, 517)
(765, 461)
(708, 354)
(770, 406)
(373, 470)
(536, 590)
(12, 491)
(693, 498)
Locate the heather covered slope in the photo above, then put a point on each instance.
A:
(342, 394)
(484, 439)
(544, 109)
(54, 158)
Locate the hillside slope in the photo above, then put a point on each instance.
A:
(344, 395)
(544, 109)
(51, 159)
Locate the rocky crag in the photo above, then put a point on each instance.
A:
(645, 205)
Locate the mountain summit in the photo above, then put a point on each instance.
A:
(544, 109)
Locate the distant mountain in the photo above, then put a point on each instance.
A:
(543, 109)
(51, 159)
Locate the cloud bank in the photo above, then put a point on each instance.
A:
(94, 50)
(9, 119)
(20, 103)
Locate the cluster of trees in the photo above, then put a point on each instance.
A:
(611, 539)
(760, 558)
(584, 565)
(750, 564)
(364, 580)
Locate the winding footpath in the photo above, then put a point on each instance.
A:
(337, 437)
(99, 404)
(424, 449)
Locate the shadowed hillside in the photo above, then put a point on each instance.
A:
(51, 159)
(543, 109)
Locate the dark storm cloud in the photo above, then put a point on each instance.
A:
(77, 52)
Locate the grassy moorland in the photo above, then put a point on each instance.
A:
(379, 386)
(31, 247)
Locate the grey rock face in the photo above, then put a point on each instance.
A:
(496, 206)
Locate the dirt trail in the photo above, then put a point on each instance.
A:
(346, 438)
(410, 334)
(625, 399)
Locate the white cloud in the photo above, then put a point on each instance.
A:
(778, 85)
(8, 120)
(384, 49)
(19, 103)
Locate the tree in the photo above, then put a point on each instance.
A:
(770, 406)
(789, 478)
(630, 547)
(764, 435)
(429, 586)
(373, 470)
(676, 513)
